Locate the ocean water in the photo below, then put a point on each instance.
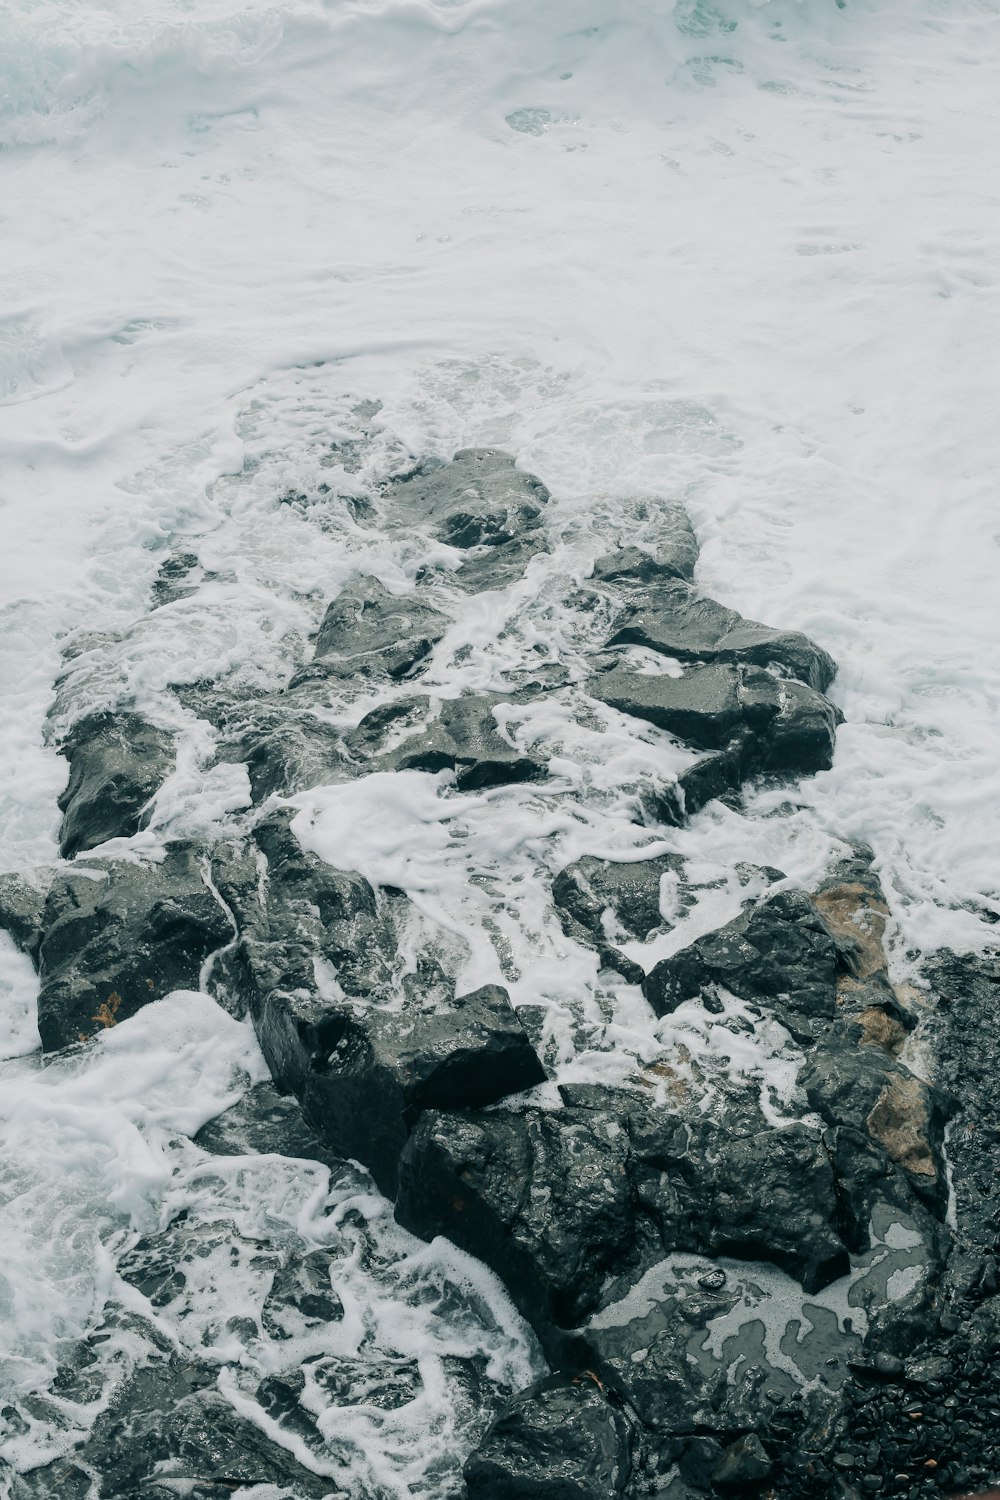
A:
(741, 255)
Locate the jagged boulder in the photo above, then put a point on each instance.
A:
(678, 621)
(674, 555)
(453, 734)
(598, 899)
(762, 723)
(364, 1048)
(117, 934)
(369, 632)
(557, 1201)
(117, 761)
(364, 1076)
(478, 499)
(561, 1439)
(704, 706)
(778, 953)
(282, 738)
(865, 1089)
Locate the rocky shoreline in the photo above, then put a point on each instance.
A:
(737, 1290)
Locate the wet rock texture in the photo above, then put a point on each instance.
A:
(627, 1221)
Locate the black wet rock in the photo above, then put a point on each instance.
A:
(367, 632)
(478, 499)
(543, 1197)
(556, 1201)
(674, 556)
(168, 1426)
(966, 1041)
(704, 705)
(675, 619)
(264, 1122)
(594, 893)
(451, 734)
(364, 1076)
(561, 1439)
(22, 906)
(757, 723)
(117, 761)
(118, 934)
(365, 1056)
(905, 1116)
(778, 953)
(744, 1463)
(292, 910)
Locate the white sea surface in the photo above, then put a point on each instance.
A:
(742, 255)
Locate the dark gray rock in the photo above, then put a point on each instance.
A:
(364, 1076)
(778, 953)
(117, 761)
(561, 1439)
(744, 1464)
(479, 499)
(674, 556)
(168, 1426)
(22, 904)
(864, 1088)
(558, 1201)
(592, 890)
(286, 746)
(296, 911)
(363, 1058)
(966, 1045)
(675, 619)
(770, 724)
(118, 934)
(704, 706)
(265, 1122)
(717, 776)
(544, 1198)
(497, 567)
(368, 632)
(453, 734)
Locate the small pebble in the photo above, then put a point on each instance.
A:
(712, 1281)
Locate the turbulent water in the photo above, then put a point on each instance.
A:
(257, 259)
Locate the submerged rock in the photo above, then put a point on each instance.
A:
(362, 1048)
(561, 1439)
(451, 734)
(117, 934)
(264, 1122)
(675, 619)
(22, 907)
(167, 1426)
(368, 632)
(117, 761)
(674, 556)
(478, 499)
(595, 896)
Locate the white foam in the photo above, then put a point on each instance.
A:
(736, 255)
